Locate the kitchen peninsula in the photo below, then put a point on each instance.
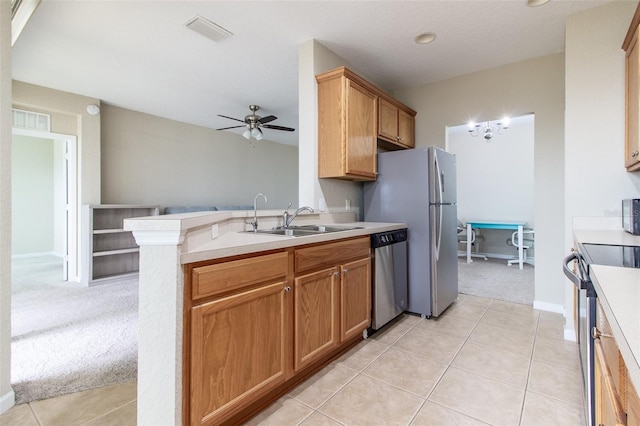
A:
(267, 310)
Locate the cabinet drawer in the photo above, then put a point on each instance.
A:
(227, 276)
(331, 254)
(610, 350)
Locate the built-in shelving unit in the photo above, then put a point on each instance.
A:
(110, 252)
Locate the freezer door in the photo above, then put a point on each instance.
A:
(444, 259)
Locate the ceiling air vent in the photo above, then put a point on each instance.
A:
(31, 120)
(205, 27)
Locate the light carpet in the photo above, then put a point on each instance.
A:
(67, 337)
(495, 280)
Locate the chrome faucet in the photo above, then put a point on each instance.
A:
(254, 223)
(288, 218)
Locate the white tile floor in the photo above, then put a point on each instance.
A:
(483, 362)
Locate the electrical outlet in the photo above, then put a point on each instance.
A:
(321, 206)
(214, 231)
(347, 204)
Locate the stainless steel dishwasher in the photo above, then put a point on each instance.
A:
(389, 287)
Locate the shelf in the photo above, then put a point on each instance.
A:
(112, 252)
(108, 231)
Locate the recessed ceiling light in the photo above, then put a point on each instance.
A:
(534, 3)
(425, 38)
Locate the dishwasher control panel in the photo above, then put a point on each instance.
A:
(385, 238)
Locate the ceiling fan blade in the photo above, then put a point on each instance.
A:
(230, 118)
(286, 129)
(232, 127)
(267, 119)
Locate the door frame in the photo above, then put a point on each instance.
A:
(70, 261)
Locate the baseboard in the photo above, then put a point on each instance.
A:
(549, 307)
(570, 335)
(7, 401)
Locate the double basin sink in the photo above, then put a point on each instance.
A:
(303, 230)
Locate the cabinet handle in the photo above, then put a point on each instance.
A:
(345, 270)
(287, 289)
(596, 334)
(335, 274)
(635, 154)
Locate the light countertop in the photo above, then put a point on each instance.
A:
(618, 291)
(605, 236)
(235, 243)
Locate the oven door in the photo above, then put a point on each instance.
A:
(586, 320)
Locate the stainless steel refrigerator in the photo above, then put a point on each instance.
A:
(418, 187)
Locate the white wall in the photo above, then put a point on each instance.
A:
(6, 393)
(533, 86)
(595, 177)
(32, 188)
(152, 160)
(496, 179)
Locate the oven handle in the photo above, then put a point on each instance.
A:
(580, 283)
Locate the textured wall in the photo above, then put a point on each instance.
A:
(152, 160)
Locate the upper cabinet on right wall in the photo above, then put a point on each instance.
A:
(632, 108)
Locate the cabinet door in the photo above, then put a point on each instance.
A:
(608, 409)
(406, 129)
(632, 148)
(361, 132)
(387, 120)
(238, 351)
(315, 316)
(355, 298)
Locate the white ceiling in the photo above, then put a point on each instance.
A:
(139, 54)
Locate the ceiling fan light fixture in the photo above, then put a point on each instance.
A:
(247, 134)
(257, 134)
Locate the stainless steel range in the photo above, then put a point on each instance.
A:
(593, 254)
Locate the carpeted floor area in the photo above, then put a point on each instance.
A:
(494, 279)
(67, 337)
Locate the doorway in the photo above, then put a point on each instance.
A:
(496, 184)
(44, 198)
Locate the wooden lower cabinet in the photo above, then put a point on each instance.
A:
(355, 298)
(316, 316)
(609, 411)
(616, 400)
(331, 306)
(257, 325)
(238, 351)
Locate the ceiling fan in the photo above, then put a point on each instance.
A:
(254, 124)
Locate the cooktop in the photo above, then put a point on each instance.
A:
(603, 254)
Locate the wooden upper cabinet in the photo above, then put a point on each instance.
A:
(395, 125)
(346, 129)
(632, 110)
(354, 118)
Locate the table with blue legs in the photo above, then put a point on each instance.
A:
(487, 224)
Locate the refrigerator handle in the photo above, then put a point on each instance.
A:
(438, 230)
(439, 178)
